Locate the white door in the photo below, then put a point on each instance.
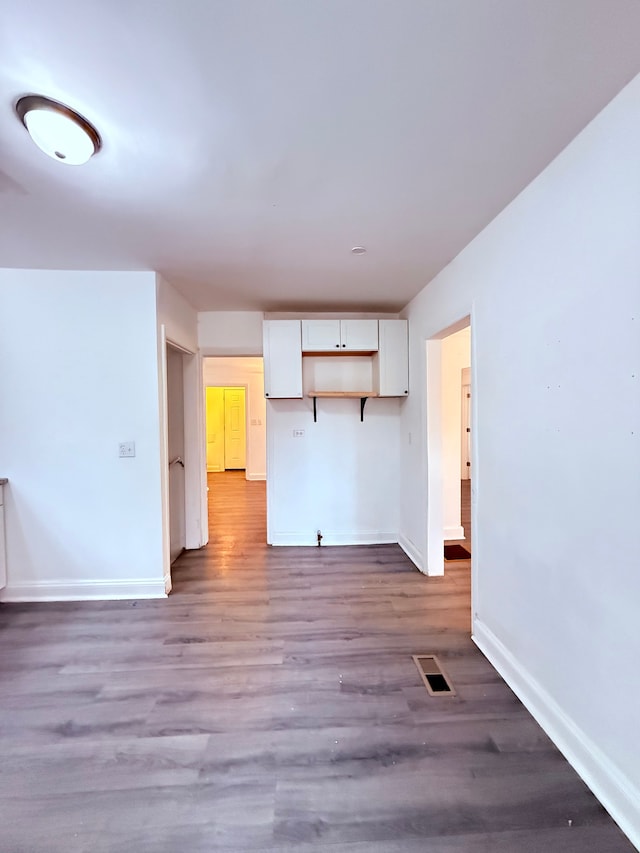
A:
(282, 359)
(175, 438)
(235, 433)
(320, 335)
(391, 363)
(215, 428)
(359, 335)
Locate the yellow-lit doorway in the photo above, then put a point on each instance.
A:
(226, 428)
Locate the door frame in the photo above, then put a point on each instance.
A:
(433, 544)
(195, 484)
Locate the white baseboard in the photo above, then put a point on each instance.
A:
(329, 538)
(255, 476)
(79, 590)
(616, 792)
(411, 551)
(454, 532)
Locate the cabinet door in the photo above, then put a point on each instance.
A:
(282, 359)
(320, 335)
(393, 359)
(359, 335)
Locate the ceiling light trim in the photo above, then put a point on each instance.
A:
(31, 103)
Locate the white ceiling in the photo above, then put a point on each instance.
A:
(249, 144)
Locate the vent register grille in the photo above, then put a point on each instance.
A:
(434, 677)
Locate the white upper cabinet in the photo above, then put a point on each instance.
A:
(359, 335)
(282, 359)
(379, 348)
(344, 335)
(320, 335)
(392, 360)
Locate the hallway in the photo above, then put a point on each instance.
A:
(271, 704)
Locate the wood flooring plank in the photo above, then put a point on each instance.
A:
(271, 704)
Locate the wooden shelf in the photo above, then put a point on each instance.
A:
(363, 396)
(360, 394)
(337, 352)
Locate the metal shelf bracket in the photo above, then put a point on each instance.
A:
(363, 401)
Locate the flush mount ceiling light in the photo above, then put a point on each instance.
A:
(358, 250)
(59, 131)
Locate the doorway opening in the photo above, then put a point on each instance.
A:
(235, 444)
(449, 447)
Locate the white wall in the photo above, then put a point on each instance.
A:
(230, 332)
(179, 318)
(78, 375)
(342, 475)
(456, 355)
(553, 289)
(250, 372)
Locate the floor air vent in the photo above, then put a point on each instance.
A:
(456, 552)
(435, 679)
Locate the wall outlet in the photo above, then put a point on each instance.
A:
(126, 448)
(298, 433)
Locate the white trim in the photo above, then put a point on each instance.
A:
(179, 347)
(434, 527)
(268, 434)
(255, 476)
(616, 792)
(196, 522)
(328, 539)
(475, 475)
(454, 533)
(83, 590)
(164, 448)
(411, 551)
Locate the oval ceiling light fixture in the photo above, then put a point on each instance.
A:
(358, 250)
(59, 131)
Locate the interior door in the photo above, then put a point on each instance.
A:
(175, 438)
(215, 429)
(235, 435)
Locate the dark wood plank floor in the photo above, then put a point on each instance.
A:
(271, 704)
(465, 516)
